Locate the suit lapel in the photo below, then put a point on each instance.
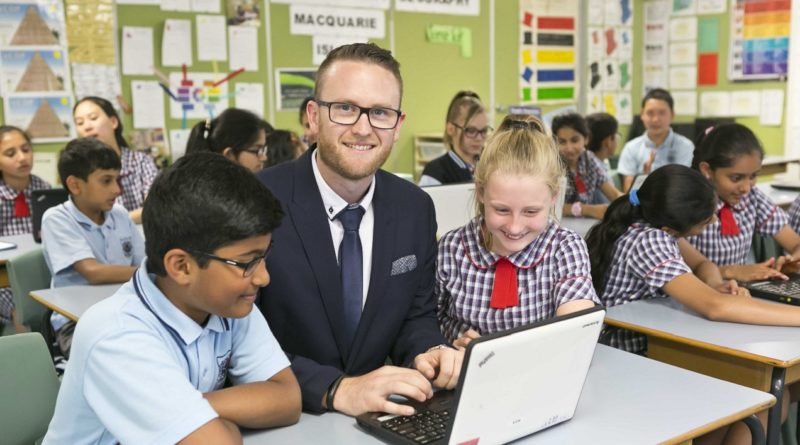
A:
(308, 213)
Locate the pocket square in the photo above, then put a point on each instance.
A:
(404, 264)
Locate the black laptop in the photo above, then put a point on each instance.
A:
(512, 384)
(776, 290)
(41, 200)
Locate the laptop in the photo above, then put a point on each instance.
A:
(512, 384)
(776, 290)
(41, 200)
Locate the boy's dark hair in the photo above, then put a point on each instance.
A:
(359, 52)
(109, 110)
(720, 146)
(601, 126)
(83, 156)
(204, 202)
(234, 128)
(302, 111)
(280, 147)
(659, 94)
(570, 120)
(673, 196)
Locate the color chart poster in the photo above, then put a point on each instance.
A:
(548, 51)
(759, 39)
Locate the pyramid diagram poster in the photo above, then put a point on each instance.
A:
(47, 118)
(31, 71)
(32, 24)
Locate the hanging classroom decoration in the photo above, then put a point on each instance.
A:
(548, 51)
(197, 95)
(759, 42)
(610, 61)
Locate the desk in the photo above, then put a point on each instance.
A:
(761, 357)
(776, 164)
(25, 244)
(73, 301)
(581, 226)
(677, 406)
(783, 198)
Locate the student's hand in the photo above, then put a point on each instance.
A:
(596, 211)
(753, 272)
(370, 392)
(462, 341)
(648, 164)
(441, 365)
(728, 287)
(787, 264)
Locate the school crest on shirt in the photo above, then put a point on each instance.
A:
(223, 363)
(127, 247)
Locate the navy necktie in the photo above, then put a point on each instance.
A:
(350, 261)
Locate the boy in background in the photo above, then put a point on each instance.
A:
(150, 362)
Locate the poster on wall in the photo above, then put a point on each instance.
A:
(34, 71)
(342, 22)
(47, 118)
(197, 95)
(548, 51)
(759, 39)
(32, 24)
(294, 85)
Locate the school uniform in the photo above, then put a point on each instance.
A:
(139, 368)
(15, 219)
(135, 178)
(446, 169)
(584, 183)
(551, 270)
(69, 236)
(755, 213)
(794, 215)
(676, 149)
(644, 259)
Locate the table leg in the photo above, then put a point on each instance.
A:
(774, 418)
(756, 430)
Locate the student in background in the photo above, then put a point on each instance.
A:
(88, 239)
(512, 264)
(794, 215)
(659, 145)
(637, 252)
(237, 134)
(150, 363)
(95, 117)
(309, 137)
(282, 146)
(603, 133)
(466, 129)
(586, 174)
(729, 156)
(16, 185)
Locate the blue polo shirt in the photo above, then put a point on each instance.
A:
(139, 367)
(676, 149)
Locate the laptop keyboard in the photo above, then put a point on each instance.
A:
(425, 426)
(790, 288)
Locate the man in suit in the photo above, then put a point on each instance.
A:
(354, 262)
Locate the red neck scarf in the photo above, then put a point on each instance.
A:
(504, 290)
(727, 223)
(21, 208)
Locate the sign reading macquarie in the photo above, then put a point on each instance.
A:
(355, 22)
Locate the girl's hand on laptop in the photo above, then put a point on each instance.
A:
(462, 341)
(728, 287)
(787, 264)
(753, 272)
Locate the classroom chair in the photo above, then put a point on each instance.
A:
(26, 273)
(29, 387)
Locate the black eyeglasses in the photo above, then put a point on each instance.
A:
(248, 268)
(472, 132)
(344, 113)
(257, 150)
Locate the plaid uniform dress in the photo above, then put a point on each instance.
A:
(755, 213)
(644, 259)
(11, 225)
(552, 270)
(136, 177)
(794, 215)
(594, 175)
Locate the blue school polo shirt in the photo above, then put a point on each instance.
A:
(676, 149)
(139, 368)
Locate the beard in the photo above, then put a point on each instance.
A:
(337, 159)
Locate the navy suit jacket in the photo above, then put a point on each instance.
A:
(303, 302)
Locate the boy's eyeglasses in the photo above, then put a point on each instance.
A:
(472, 132)
(257, 150)
(344, 113)
(248, 268)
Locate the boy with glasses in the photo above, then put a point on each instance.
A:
(150, 363)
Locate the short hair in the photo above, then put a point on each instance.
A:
(234, 128)
(280, 147)
(519, 146)
(570, 120)
(360, 52)
(302, 110)
(659, 94)
(463, 107)
(83, 156)
(601, 126)
(108, 109)
(204, 202)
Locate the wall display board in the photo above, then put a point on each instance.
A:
(759, 39)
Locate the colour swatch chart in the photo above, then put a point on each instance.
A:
(548, 51)
(759, 39)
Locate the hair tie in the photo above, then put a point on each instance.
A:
(523, 125)
(207, 129)
(633, 197)
(709, 130)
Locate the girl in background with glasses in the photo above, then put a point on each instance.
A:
(586, 174)
(466, 129)
(237, 134)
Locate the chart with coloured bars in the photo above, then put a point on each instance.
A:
(197, 95)
(760, 39)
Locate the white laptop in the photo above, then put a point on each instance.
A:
(512, 384)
